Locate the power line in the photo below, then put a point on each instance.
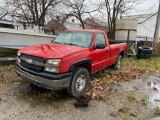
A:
(148, 9)
(149, 15)
(151, 7)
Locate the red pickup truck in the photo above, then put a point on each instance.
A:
(69, 60)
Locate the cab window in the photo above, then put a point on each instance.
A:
(100, 39)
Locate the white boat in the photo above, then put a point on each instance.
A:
(14, 36)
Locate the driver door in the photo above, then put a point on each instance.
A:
(100, 57)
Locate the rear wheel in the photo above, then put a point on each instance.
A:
(79, 83)
(118, 63)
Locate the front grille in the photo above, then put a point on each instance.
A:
(33, 58)
(32, 66)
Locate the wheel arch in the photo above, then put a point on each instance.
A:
(86, 63)
(121, 52)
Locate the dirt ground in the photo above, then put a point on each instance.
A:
(134, 100)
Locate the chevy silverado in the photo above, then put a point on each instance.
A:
(69, 60)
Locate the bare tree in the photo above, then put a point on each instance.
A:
(31, 11)
(115, 9)
(78, 9)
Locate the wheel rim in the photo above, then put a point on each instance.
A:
(81, 81)
(119, 62)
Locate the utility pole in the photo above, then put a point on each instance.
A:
(156, 33)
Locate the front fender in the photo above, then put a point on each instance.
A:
(80, 63)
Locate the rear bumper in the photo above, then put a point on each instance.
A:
(44, 80)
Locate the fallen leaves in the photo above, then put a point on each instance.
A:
(3, 78)
(98, 87)
(128, 74)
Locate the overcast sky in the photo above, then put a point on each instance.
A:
(148, 6)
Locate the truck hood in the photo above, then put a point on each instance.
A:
(52, 50)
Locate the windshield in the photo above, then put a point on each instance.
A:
(82, 39)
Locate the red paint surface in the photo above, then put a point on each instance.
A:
(71, 54)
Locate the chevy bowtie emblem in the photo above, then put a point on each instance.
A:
(29, 61)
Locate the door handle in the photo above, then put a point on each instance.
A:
(106, 51)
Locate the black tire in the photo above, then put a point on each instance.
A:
(118, 63)
(144, 56)
(138, 56)
(79, 75)
(145, 50)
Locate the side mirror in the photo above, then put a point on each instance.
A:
(99, 46)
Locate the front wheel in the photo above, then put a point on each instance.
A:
(79, 83)
(118, 63)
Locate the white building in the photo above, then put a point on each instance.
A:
(146, 24)
(72, 23)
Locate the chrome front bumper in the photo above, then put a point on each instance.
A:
(52, 84)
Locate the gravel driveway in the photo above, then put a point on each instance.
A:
(125, 101)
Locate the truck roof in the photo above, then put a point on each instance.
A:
(83, 30)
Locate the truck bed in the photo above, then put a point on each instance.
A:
(111, 42)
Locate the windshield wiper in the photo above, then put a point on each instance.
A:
(57, 42)
(71, 44)
(66, 43)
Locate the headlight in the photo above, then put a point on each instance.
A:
(53, 62)
(18, 53)
(52, 65)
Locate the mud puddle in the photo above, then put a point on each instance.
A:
(148, 86)
(154, 96)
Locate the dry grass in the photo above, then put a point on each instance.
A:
(6, 72)
(157, 50)
(157, 111)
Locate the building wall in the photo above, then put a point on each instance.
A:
(55, 27)
(91, 24)
(147, 28)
